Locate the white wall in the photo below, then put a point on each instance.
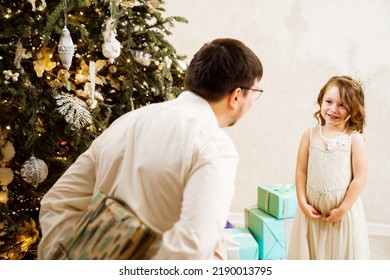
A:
(301, 43)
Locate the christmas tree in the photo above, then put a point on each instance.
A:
(68, 69)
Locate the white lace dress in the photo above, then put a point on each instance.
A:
(328, 178)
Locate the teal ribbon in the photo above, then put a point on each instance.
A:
(283, 190)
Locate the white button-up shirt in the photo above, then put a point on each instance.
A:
(172, 164)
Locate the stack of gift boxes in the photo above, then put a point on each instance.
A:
(264, 234)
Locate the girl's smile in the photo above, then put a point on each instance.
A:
(332, 108)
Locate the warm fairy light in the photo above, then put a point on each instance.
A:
(81, 13)
(8, 127)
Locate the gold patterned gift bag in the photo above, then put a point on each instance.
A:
(108, 230)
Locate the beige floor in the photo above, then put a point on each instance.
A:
(380, 247)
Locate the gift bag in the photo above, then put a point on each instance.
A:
(108, 230)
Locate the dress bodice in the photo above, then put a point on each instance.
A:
(329, 170)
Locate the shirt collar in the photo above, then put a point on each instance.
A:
(202, 104)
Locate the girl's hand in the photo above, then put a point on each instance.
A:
(334, 215)
(310, 211)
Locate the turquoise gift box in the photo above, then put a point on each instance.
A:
(279, 201)
(269, 233)
(241, 245)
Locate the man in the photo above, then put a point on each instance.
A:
(171, 162)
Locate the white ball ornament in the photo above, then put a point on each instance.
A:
(182, 65)
(34, 171)
(6, 176)
(8, 151)
(66, 48)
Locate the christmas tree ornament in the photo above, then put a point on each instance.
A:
(92, 76)
(34, 171)
(34, 7)
(43, 61)
(7, 151)
(74, 110)
(153, 5)
(6, 176)
(9, 76)
(63, 75)
(66, 48)
(112, 69)
(141, 57)
(182, 66)
(3, 197)
(168, 61)
(32, 2)
(82, 75)
(21, 53)
(89, 88)
(111, 47)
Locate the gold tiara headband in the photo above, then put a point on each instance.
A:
(356, 82)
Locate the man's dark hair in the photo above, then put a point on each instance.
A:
(220, 67)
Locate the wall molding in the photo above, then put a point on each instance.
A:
(378, 229)
(238, 220)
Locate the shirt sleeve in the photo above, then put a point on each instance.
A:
(206, 204)
(65, 202)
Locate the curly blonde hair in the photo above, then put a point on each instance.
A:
(352, 96)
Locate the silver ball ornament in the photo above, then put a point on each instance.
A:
(34, 171)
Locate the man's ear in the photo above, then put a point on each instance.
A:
(234, 97)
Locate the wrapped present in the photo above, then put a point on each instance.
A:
(279, 201)
(241, 245)
(269, 233)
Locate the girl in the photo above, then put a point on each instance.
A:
(330, 175)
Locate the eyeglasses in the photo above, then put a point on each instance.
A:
(257, 92)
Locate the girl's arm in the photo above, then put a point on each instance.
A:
(359, 175)
(301, 177)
